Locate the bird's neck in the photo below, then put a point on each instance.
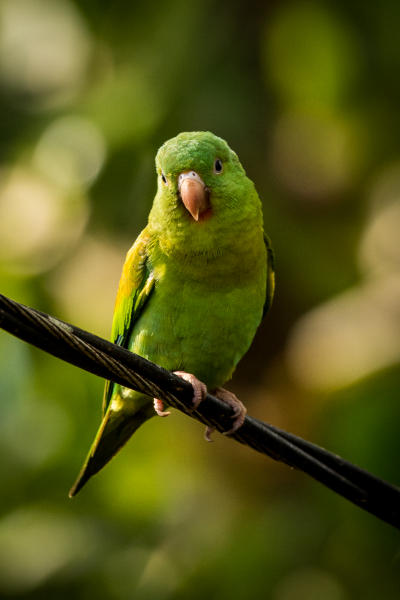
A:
(238, 254)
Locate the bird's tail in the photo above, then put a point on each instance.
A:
(116, 428)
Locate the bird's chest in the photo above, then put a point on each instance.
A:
(202, 325)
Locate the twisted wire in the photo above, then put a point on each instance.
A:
(110, 361)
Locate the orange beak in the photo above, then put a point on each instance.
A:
(194, 194)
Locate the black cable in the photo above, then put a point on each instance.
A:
(107, 360)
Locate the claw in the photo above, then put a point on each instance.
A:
(199, 388)
(239, 409)
(159, 408)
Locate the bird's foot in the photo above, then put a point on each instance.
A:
(199, 388)
(159, 408)
(239, 413)
(200, 392)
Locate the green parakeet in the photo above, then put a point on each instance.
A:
(194, 286)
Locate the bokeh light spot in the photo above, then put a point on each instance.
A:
(312, 155)
(311, 55)
(38, 221)
(71, 152)
(35, 544)
(44, 49)
(347, 338)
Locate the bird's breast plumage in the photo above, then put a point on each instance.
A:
(201, 320)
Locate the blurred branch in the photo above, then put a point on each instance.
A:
(98, 356)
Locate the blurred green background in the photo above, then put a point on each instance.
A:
(308, 94)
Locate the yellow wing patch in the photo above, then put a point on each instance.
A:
(270, 275)
(135, 287)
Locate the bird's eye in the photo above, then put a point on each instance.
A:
(218, 166)
(163, 178)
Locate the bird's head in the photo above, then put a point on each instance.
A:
(202, 190)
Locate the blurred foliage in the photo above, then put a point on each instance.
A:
(307, 93)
